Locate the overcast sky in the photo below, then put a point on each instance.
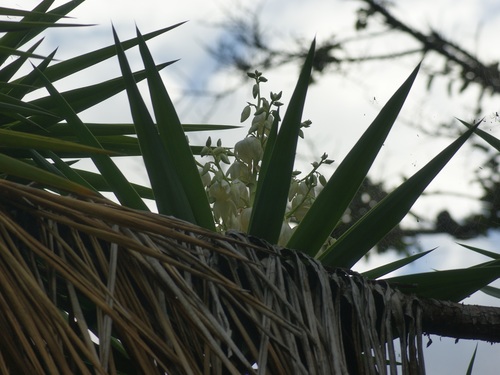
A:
(340, 106)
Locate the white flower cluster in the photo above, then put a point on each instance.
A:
(231, 190)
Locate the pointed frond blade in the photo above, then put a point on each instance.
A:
(99, 183)
(269, 210)
(10, 26)
(14, 139)
(7, 51)
(169, 195)
(451, 285)
(81, 62)
(10, 70)
(115, 178)
(174, 139)
(393, 266)
(333, 200)
(83, 98)
(493, 141)
(487, 253)
(17, 168)
(372, 227)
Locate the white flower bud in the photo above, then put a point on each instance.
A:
(255, 90)
(240, 171)
(322, 180)
(285, 234)
(245, 113)
(265, 104)
(205, 151)
(245, 218)
(220, 190)
(260, 111)
(303, 188)
(205, 176)
(224, 210)
(293, 189)
(206, 168)
(218, 150)
(269, 122)
(233, 223)
(300, 211)
(239, 193)
(224, 158)
(253, 128)
(249, 150)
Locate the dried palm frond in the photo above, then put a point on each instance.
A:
(88, 286)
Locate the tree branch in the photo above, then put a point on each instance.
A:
(460, 321)
(472, 70)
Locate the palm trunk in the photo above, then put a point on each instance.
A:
(163, 296)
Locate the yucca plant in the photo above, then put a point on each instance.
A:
(165, 295)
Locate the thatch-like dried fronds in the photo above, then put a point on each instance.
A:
(91, 287)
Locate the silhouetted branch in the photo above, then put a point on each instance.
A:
(472, 69)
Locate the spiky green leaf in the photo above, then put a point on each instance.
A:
(114, 177)
(393, 266)
(169, 195)
(269, 210)
(331, 203)
(175, 143)
(373, 226)
(17, 168)
(452, 285)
